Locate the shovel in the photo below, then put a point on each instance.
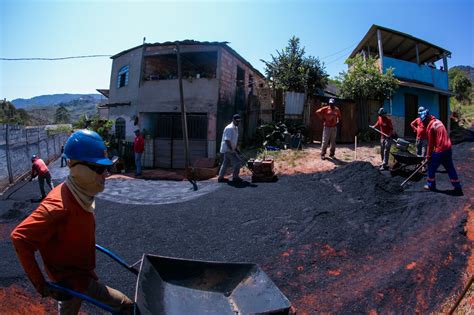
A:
(401, 143)
(413, 174)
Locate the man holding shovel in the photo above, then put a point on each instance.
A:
(384, 124)
(439, 152)
(62, 229)
(40, 169)
(229, 141)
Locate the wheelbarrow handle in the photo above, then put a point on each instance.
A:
(81, 296)
(117, 258)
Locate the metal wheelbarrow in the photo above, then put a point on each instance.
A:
(405, 162)
(167, 285)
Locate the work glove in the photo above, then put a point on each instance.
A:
(48, 291)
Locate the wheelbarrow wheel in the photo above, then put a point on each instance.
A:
(395, 169)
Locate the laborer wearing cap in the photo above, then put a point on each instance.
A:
(138, 148)
(331, 116)
(40, 169)
(419, 125)
(384, 124)
(62, 229)
(230, 137)
(440, 153)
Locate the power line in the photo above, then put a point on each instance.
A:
(325, 57)
(50, 59)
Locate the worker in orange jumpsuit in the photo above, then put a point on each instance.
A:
(440, 153)
(419, 126)
(384, 124)
(62, 229)
(40, 169)
(331, 116)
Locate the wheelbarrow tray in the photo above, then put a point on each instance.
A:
(407, 158)
(168, 285)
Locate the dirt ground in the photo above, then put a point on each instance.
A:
(335, 236)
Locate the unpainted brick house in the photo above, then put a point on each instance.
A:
(144, 94)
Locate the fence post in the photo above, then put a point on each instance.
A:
(7, 152)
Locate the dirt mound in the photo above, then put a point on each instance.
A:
(368, 245)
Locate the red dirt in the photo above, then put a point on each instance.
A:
(14, 300)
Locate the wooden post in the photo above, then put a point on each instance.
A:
(417, 54)
(7, 153)
(379, 40)
(355, 149)
(183, 112)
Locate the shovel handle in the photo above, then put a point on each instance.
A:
(413, 174)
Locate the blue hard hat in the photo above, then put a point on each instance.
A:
(86, 145)
(421, 109)
(34, 157)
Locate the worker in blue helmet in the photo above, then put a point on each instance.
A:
(62, 229)
(419, 126)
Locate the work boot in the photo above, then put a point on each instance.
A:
(428, 187)
(458, 191)
(323, 157)
(222, 180)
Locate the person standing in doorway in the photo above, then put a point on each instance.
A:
(331, 116)
(440, 153)
(138, 148)
(229, 150)
(384, 124)
(40, 169)
(419, 125)
(62, 229)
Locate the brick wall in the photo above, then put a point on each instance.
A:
(16, 150)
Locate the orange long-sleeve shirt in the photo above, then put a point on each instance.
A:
(64, 234)
(384, 124)
(330, 116)
(438, 138)
(39, 168)
(420, 128)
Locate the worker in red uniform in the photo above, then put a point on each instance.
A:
(384, 124)
(331, 116)
(440, 153)
(419, 126)
(62, 229)
(40, 169)
(138, 148)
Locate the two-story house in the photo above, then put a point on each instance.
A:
(144, 94)
(420, 67)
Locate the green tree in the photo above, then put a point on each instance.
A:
(291, 70)
(95, 123)
(364, 81)
(62, 115)
(10, 115)
(460, 85)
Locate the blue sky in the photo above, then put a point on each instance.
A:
(255, 29)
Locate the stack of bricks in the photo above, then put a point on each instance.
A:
(263, 170)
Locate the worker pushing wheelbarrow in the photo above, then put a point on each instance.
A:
(167, 285)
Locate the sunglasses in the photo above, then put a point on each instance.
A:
(99, 169)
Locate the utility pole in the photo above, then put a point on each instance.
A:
(184, 121)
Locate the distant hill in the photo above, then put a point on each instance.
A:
(44, 115)
(468, 70)
(54, 99)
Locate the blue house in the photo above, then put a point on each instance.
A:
(420, 67)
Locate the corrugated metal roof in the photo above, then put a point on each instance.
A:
(401, 45)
